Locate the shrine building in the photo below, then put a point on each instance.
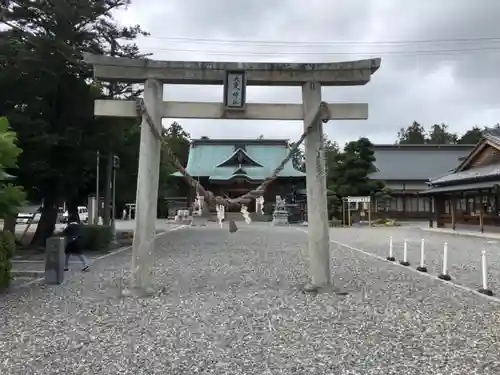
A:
(233, 167)
(406, 170)
(468, 195)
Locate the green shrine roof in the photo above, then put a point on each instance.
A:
(223, 159)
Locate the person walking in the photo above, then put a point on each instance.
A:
(73, 247)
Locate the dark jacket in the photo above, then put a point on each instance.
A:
(73, 239)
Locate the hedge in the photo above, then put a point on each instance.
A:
(93, 237)
(7, 249)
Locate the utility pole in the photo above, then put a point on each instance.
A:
(108, 189)
(116, 165)
(97, 197)
(109, 165)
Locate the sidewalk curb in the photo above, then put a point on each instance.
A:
(490, 236)
(117, 251)
(27, 273)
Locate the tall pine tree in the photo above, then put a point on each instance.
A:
(50, 101)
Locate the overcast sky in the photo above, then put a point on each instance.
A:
(434, 69)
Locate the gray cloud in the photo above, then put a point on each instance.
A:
(457, 87)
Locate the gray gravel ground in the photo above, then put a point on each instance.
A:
(232, 306)
(464, 253)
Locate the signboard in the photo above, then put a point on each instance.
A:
(235, 90)
(358, 199)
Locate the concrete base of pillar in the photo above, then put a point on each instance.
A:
(444, 277)
(422, 269)
(138, 292)
(313, 289)
(487, 292)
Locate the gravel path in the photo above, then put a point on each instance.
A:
(464, 253)
(232, 306)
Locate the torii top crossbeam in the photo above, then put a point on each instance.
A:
(351, 73)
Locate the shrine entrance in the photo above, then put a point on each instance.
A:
(235, 76)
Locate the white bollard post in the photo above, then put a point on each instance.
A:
(391, 255)
(484, 270)
(405, 262)
(444, 275)
(422, 267)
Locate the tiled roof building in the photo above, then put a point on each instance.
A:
(232, 167)
(468, 194)
(406, 170)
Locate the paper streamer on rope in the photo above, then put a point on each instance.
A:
(246, 214)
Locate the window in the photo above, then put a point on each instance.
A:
(393, 204)
(463, 205)
(413, 204)
(399, 204)
(423, 205)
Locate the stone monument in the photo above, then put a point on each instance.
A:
(183, 217)
(280, 214)
(54, 260)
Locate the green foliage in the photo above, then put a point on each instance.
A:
(9, 151)
(95, 237)
(471, 136)
(349, 174)
(47, 92)
(11, 196)
(385, 223)
(416, 134)
(384, 197)
(7, 249)
(176, 139)
(298, 158)
(439, 135)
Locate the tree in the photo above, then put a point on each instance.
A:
(471, 136)
(331, 151)
(439, 135)
(349, 175)
(298, 158)
(11, 196)
(47, 96)
(178, 140)
(384, 197)
(413, 135)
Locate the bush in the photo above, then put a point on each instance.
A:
(334, 222)
(7, 249)
(94, 237)
(385, 222)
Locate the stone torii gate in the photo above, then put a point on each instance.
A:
(235, 77)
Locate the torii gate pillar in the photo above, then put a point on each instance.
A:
(317, 208)
(147, 188)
